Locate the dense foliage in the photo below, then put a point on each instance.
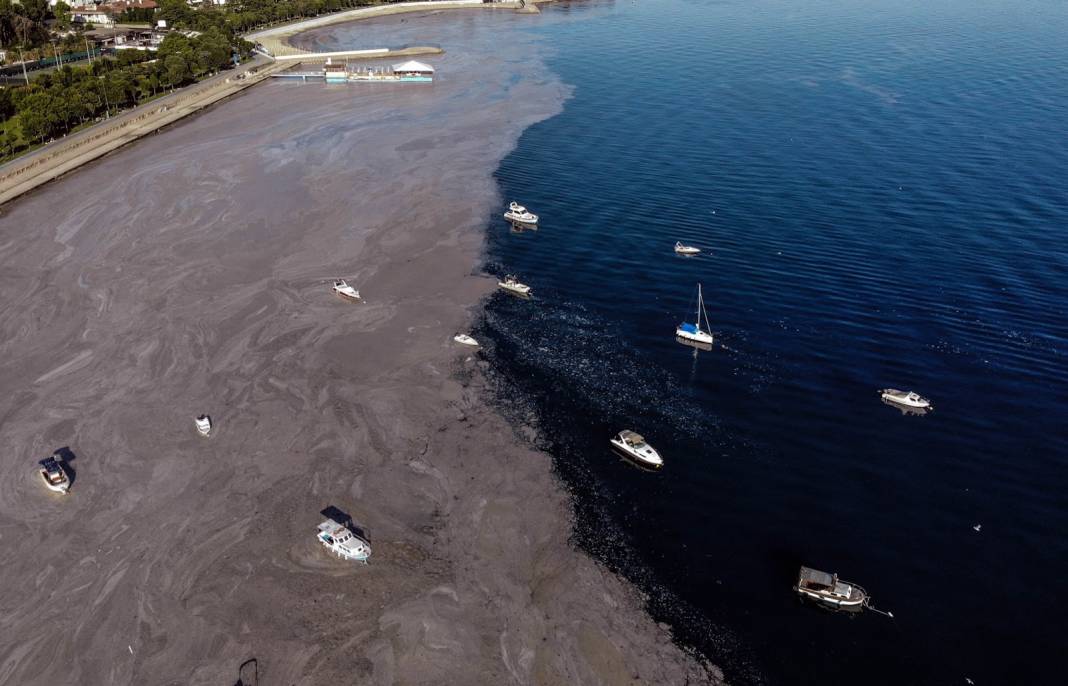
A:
(56, 102)
(59, 101)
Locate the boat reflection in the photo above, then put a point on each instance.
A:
(518, 227)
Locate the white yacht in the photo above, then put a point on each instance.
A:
(905, 399)
(681, 249)
(465, 339)
(634, 446)
(519, 214)
(693, 332)
(54, 476)
(340, 540)
(346, 291)
(512, 285)
(203, 423)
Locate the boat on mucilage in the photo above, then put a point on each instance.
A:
(464, 339)
(345, 291)
(340, 540)
(54, 475)
(203, 424)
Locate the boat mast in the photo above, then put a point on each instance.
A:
(700, 305)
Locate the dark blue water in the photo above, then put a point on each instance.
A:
(880, 187)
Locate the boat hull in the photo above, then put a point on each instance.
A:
(687, 251)
(848, 604)
(528, 219)
(465, 340)
(699, 337)
(523, 292)
(55, 488)
(347, 296)
(918, 404)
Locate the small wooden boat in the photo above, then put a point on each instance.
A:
(203, 424)
(681, 249)
(512, 285)
(345, 291)
(905, 399)
(693, 333)
(633, 445)
(341, 541)
(829, 590)
(54, 475)
(519, 214)
(465, 339)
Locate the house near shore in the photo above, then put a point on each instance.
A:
(96, 17)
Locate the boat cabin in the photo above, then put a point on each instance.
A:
(340, 539)
(53, 473)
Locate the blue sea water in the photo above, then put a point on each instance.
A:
(881, 191)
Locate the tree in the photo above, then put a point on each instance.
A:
(7, 105)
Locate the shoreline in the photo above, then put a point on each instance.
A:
(36, 168)
(276, 39)
(123, 318)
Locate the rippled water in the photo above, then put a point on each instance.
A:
(880, 191)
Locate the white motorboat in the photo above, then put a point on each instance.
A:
(905, 399)
(203, 423)
(681, 249)
(346, 291)
(829, 590)
(512, 285)
(340, 540)
(693, 332)
(519, 214)
(634, 446)
(54, 476)
(465, 339)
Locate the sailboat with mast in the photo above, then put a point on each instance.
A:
(693, 334)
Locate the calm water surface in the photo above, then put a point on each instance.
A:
(880, 190)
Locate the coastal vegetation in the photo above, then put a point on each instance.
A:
(58, 102)
(203, 40)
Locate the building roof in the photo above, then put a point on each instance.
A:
(412, 65)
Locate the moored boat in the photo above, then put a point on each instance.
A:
(634, 446)
(345, 291)
(512, 285)
(829, 590)
(519, 214)
(54, 475)
(905, 399)
(203, 424)
(465, 339)
(341, 540)
(693, 333)
(686, 249)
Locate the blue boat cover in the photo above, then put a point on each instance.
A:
(688, 328)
